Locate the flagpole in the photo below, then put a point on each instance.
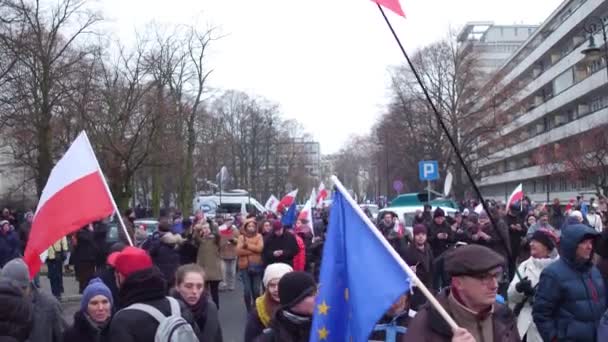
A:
(450, 139)
(385, 243)
(105, 184)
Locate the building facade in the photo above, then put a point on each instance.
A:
(559, 95)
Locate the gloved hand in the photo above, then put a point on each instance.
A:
(525, 286)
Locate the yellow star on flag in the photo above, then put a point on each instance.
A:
(323, 308)
(323, 333)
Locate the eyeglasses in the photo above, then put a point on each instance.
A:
(487, 278)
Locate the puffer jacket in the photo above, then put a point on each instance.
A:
(252, 253)
(164, 253)
(571, 296)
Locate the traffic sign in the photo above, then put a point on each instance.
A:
(398, 186)
(428, 170)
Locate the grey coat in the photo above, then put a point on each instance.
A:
(48, 325)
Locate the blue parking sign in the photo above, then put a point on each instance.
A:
(428, 170)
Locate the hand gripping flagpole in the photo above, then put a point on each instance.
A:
(450, 139)
(105, 184)
(404, 266)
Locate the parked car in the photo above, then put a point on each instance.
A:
(150, 224)
(373, 209)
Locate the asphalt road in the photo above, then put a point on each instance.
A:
(233, 316)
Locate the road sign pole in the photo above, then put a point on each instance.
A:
(428, 191)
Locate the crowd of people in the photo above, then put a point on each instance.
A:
(527, 272)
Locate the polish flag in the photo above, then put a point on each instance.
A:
(272, 204)
(322, 195)
(517, 195)
(287, 200)
(392, 5)
(75, 195)
(306, 214)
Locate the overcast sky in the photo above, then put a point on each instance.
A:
(323, 61)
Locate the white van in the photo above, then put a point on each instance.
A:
(228, 202)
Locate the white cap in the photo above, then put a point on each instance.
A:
(275, 271)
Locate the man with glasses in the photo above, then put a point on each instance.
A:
(475, 273)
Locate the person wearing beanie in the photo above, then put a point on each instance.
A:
(268, 303)
(92, 321)
(47, 320)
(475, 273)
(9, 243)
(419, 257)
(521, 291)
(570, 296)
(280, 246)
(440, 238)
(140, 282)
(293, 320)
(163, 248)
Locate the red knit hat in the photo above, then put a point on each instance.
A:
(130, 260)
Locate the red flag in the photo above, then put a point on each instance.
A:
(517, 195)
(74, 196)
(287, 200)
(321, 195)
(392, 5)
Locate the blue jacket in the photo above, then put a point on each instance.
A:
(571, 297)
(9, 247)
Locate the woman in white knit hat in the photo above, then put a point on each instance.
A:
(267, 304)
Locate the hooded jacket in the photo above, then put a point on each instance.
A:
(571, 296)
(15, 313)
(84, 330)
(165, 255)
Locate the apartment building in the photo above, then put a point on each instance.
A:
(558, 93)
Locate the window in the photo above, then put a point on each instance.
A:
(563, 81)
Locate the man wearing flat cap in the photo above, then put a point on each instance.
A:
(475, 273)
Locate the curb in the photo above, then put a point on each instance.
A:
(71, 299)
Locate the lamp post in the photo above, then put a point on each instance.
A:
(593, 52)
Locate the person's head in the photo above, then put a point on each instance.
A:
(439, 216)
(96, 301)
(387, 217)
(250, 227)
(541, 245)
(17, 273)
(297, 293)
(128, 261)
(483, 218)
(272, 276)
(427, 208)
(584, 249)
(577, 215)
(130, 214)
(298, 223)
(190, 283)
(476, 271)
(531, 220)
(17, 313)
(29, 217)
(420, 234)
(543, 217)
(458, 217)
(277, 228)
(5, 226)
(556, 201)
(199, 216)
(266, 227)
(6, 212)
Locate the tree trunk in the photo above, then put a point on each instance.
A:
(156, 189)
(44, 159)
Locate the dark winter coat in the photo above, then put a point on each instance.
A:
(146, 287)
(16, 313)
(9, 247)
(49, 324)
(206, 317)
(286, 242)
(571, 296)
(424, 270)
(165, 255)
(515, 236)
(438, 245)
(86, 248)
(557, 216)
(282, 329)
(100, 234)
(429, 326)
(402, 320)
(499, 238)
(83, 330)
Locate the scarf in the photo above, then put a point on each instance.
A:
(266, 308)
(199, 310)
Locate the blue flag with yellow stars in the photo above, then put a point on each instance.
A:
(359, 280)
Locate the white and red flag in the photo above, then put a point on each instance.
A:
(272, 204)
(75, 195)
(287, 200)
(321, 195)
(516, 195)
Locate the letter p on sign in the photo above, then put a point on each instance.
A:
(428, 170)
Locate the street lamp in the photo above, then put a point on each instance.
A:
(593, 52)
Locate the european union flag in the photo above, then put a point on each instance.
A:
(290, 217)
(359, 281)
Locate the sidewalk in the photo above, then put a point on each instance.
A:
(70, 286)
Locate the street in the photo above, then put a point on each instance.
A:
(233, 316)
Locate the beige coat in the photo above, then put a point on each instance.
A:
(60, 246)
(208, 256)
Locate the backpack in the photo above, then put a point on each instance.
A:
(173, 328)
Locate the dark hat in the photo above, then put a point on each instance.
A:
(438, 213)
(419, 229)
(471, 260)
(294, 287)
(542, 237)
(277, 225)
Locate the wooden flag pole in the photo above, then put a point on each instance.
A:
(398, 259)
(450, 139)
